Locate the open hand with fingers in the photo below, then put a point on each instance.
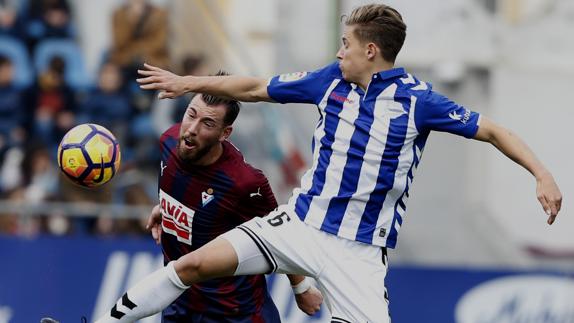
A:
(168, 84)
(549, 196)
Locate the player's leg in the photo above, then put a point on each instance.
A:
(156, 291)
(354, 280)
(215, 259)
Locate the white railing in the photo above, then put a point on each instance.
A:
(75, 209)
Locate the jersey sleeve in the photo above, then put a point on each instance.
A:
(258, 199)
(437, 112)
(301, 87)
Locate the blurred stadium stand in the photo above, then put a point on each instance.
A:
(69, 50)
(15, 50)
(475, 239)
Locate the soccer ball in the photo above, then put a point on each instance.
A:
(89, 155)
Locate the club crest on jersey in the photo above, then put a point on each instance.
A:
(290, 77)
(177, 219)
(207, 196)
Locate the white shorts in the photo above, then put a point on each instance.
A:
(350, 274)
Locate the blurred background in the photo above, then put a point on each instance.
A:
(476, 247)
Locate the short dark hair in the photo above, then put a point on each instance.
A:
(380, 24)
(233, 106)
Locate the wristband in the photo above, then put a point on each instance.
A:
(302, 286)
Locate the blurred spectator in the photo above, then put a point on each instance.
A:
(48, 19)
(10, 21)
(52, 103)
(135, 195)
(9, 220)
(108, 105)
(40, 174)
(139, 35)
(11, 108)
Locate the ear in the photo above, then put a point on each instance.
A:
(372, 50)
(226, 133)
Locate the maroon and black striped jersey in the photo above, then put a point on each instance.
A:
(197, 204)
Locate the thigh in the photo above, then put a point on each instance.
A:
(288, 243)
(354, 282)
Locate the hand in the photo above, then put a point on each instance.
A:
(167, 83)
(154, 224)
(549, 196)
(310, 301)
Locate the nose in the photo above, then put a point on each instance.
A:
(192, 128)
(340, 53)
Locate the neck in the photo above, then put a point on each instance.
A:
(374, 68)
(212, 156)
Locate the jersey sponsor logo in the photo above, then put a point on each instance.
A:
(340, 98)
(207, 196)
(290, 77)
(258, 193)
(177, 218)
(458, 117)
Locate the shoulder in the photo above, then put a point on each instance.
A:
(158, 12)
(244, 174)
(171, 132)
(410, 84)
(330, 71)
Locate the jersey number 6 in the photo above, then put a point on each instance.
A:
(278, 219)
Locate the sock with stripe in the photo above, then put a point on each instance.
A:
(147, 297)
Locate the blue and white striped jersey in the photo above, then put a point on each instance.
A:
(366, 147)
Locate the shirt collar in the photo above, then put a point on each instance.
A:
(392, 73)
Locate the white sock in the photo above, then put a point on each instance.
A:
(149, 296)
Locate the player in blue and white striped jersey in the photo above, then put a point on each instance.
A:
(374, 122)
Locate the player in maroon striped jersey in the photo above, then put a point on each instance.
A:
(205, 189)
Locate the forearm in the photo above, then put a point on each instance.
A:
(513, 147)
(295, 279)
(246, 89)
(299, 284)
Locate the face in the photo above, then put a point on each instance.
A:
(353, 56)
(6, 74)
(110, 78)
(201, 133)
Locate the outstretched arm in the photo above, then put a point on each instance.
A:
(514, 148)
(170, 85)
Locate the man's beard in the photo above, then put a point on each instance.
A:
(194, 157)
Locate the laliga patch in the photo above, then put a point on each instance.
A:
(290, 77)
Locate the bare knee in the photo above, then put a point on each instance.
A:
(190, 269)
(215, 259)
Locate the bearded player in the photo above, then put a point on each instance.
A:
(205, 189)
